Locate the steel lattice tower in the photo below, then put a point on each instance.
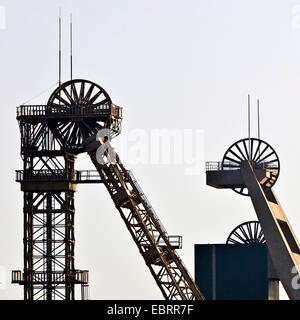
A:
(51, 137)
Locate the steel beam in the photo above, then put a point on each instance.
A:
(281, 241)
(164, 263)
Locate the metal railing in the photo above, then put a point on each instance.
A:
(230, 165)
(147, 202)
(87, 175)
(16, 276)
(68, 110)
(80, 276)
(57, 175)
(213, 166)
(175, 241)
(44, 175)
(218, 166)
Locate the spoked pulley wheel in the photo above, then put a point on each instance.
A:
(260, 154)
(78, 97)
(79, 92)
(247, 232)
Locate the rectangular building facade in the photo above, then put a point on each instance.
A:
(234, 272)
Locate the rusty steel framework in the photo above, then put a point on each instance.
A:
(51, 137)
(152, 240)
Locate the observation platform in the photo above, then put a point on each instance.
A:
(99, 112)
(222, 175)
(56, 179)
(58, 277)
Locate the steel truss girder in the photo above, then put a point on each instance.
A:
(164, 263)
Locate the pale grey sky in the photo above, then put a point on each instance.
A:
(170, 64)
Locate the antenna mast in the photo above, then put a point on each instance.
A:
(71, 47)
(258, 125)
(258, 122)
(59, 54)
(249, 126)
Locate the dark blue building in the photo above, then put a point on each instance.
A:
(235, 272)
